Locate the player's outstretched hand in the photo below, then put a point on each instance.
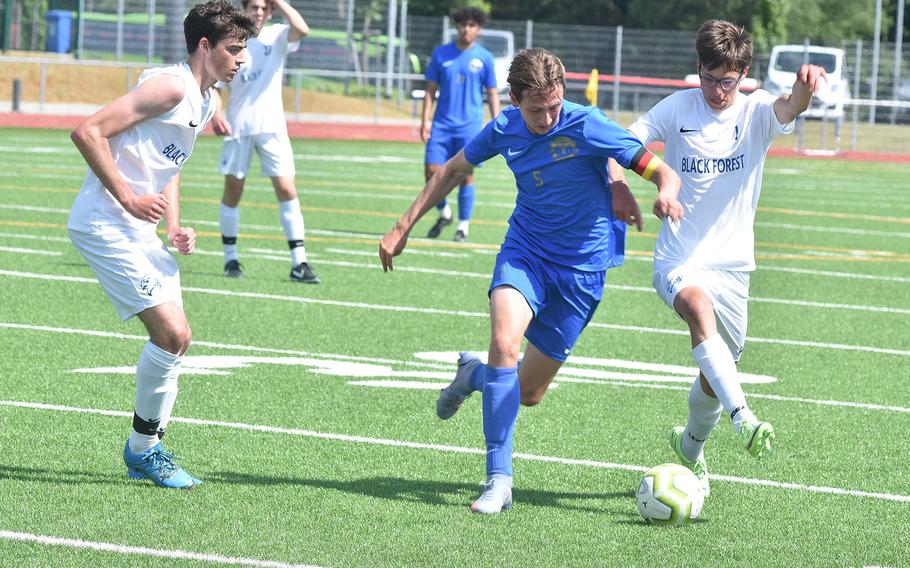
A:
(391, 246)
(625, 208)
(812, 76)
(220, 125)
(667, 206)
(147, 207)
(183, 239)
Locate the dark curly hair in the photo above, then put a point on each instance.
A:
(216, 20)
(469, 14)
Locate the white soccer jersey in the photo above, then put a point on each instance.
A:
(255, 105)
(148, 155)
(719, 156)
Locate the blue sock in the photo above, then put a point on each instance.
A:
(465, 202)
(478, 378)
(501, 398)
(441, 205)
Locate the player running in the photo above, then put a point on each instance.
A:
(460, 71)
(717, 140)
(567, 228)
(135, 148)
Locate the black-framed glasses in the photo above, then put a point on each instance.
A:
(726, 84)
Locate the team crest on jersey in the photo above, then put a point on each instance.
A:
(148, 284)
(563, 148)
(268, 50)
(475, 65)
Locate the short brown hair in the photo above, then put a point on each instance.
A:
(535, 68)
(216, 20)
(722, 44)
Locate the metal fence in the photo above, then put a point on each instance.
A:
(352, 40)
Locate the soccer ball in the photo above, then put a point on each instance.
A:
(669, 494)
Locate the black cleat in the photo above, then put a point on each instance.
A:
(233, 269)
(303, 273)
(460, 236)
(436, 229)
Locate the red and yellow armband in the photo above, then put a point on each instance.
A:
(645, 163)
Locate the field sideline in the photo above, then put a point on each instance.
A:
(309, 411)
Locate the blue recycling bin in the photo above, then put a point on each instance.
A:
(59, 30)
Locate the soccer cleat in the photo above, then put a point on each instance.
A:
(451, 397)
(303, 273)
(436, 229)
(157, 465)
(233, 269)
(496, 496)
(460, 236)
(757, 437)
(698, 467)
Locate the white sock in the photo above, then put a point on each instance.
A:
(446, 212)
(463, 226)
(230, 227)
(156, 389)
(704, 414)
(716, 362)
(292, 221)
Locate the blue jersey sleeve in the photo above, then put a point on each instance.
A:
(482, 147)
(434, 71)
(606, 138)
(489, 79)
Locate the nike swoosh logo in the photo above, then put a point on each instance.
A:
(683, 130)
(193, 125)
(511, 153)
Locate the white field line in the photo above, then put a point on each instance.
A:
(143, 551)
(458, 449)
(448, 367)
(833, 274)
(836, 230)
(20, 250)
(462, 313)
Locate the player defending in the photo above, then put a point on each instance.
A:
(460, 71)
(135, 147)
(255, 119)
(717, 140)
(566, 230)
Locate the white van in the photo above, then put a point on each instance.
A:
(501, 43)
(785, 61)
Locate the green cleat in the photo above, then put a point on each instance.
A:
(698, 467)
(757, 438)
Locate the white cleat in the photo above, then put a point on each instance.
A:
(451, 397)
(496, 496)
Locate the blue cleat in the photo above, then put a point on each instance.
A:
(158, 465)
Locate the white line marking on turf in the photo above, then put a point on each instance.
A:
(438, 311)
(456, 449)
(852, 275)
(21, 250)
(143, 551)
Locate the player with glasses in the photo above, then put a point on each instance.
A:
(726, 84)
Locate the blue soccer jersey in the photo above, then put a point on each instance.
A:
(563, 211)
(462, 77)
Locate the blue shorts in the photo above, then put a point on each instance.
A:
(563, 299)
(446, 141)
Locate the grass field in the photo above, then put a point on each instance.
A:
(309, 410)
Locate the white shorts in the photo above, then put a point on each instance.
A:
(135, 272)
(275, 155)
(728, 290)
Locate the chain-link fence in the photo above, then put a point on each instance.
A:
(368, 49)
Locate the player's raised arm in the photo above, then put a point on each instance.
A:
(299, 28)
(438, 186)
(152, 98)
(809, 79)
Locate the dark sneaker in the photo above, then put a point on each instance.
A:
(303, 273)
(233, 269)
(441, 224)
(460, 237)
